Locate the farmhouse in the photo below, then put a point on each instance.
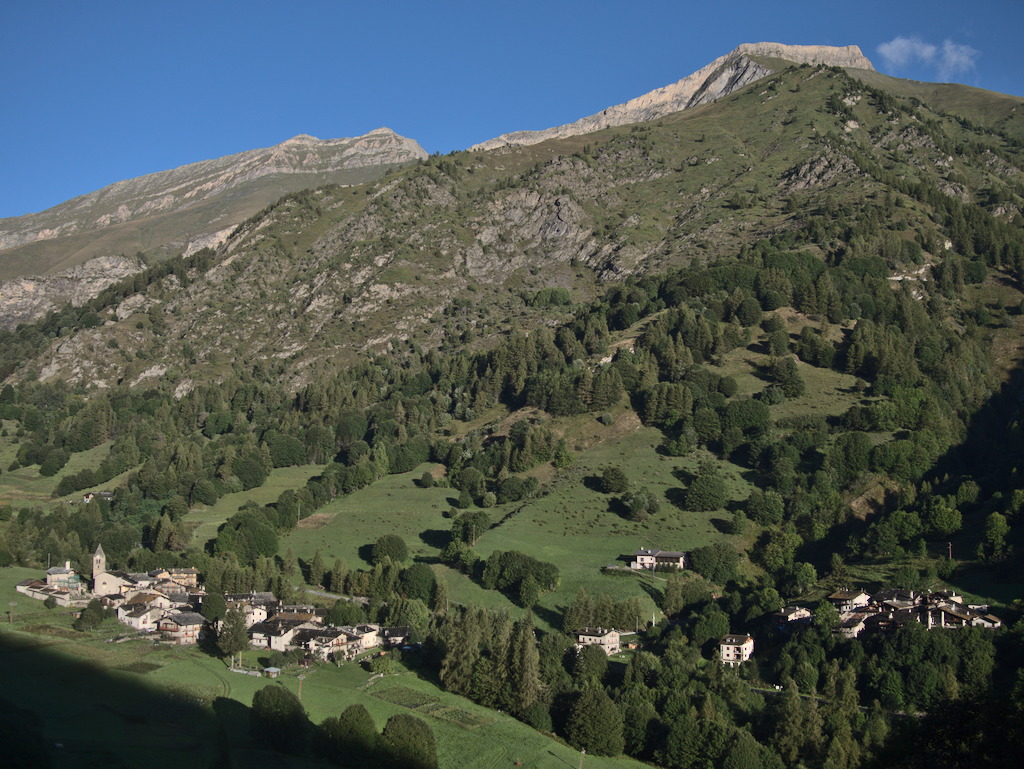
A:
(651, 559)
(607, 639)
(792, 615)
(849, 600)
(735, 649)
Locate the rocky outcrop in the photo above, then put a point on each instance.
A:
(27, 299)
(721, 77)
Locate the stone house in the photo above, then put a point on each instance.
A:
(849, 600)
(182, 628)
(64, 578)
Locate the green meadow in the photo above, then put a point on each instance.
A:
(571, 525)
(209, 519)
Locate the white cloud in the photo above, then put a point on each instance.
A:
(901, 51)
(956, 59)
(948, 60)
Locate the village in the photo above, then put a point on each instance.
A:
(169, 602)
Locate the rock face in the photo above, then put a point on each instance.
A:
(183, 187)
(721, 77)
(26, 299)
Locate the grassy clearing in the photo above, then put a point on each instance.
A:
(572, 526)
(392, 505)
(26, 486)
(279, 480)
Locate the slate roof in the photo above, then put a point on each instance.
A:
(186, 618)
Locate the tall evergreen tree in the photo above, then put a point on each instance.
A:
(524, 665)
(234, 635)
(407, 742)
(595, 724)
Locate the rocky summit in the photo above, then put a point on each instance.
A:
(723, 76)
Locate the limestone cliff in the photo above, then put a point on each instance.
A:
(721, 77)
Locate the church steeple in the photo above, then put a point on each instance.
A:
(99, 562)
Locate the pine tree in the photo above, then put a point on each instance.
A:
(337, 576)
(524, 665)
(408, 742)
(463, 651)
(595, 724)
(291, 563)
(317, 569)
(439, 600)
(579, 612)
(234, 635)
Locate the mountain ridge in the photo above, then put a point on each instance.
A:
(719, 78)
(296, 163)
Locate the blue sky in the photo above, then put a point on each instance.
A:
(96, 92)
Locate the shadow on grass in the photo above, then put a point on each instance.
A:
(722, 525)
(366, 552)
(437, 538)
(676, 497)
(552, 617)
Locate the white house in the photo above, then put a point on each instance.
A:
(735, 649)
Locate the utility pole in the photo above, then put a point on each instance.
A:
(950, 545)
(302, 677)
(583, 754)
(10, 612)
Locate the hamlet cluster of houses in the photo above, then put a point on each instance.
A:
(166, 601)
(282, 628)
(892, 608)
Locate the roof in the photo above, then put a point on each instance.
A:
(186, 618)
(661, 553)
(596, 631)
(845, 595)
(735, 640)
(60, 570)
(99, 550)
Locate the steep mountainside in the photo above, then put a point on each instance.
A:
(443, 253)
(196, 205)
(723, 76)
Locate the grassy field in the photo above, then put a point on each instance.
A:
(572, 525)
(25, 486)
(165, 704)
(280, 479)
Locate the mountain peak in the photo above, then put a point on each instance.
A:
(833, 56)
(721, 77)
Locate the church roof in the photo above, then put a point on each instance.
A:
(99, 551)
